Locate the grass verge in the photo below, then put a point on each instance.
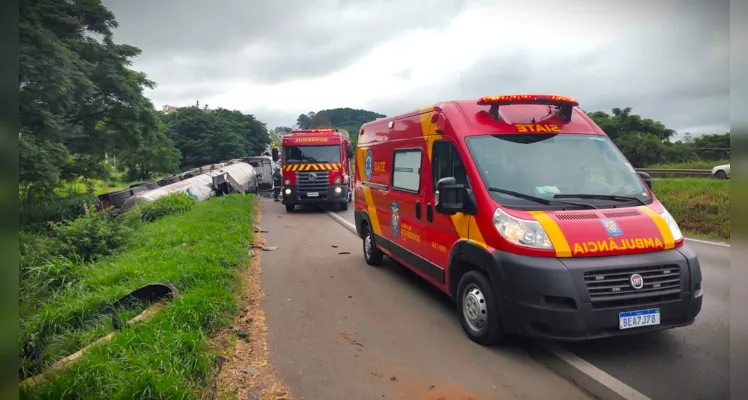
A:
(200, 252)
(698, 164)
(700, 206)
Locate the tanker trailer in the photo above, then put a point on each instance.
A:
(242, 176)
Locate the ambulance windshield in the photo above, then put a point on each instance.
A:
(311, 154)
(545, 166)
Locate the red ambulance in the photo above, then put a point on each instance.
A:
(316, 168)
(524, 212)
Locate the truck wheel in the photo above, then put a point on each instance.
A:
(372, 254)
(343, 206)
(478, 309)
(290, 207)
(720, 175)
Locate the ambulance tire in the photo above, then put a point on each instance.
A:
(477, 306)
(290, 207)
(372, 255)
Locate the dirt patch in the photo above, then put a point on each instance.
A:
(245, 369)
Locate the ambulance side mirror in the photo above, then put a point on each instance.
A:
(349, 150)
(646, 178)
(450, 197)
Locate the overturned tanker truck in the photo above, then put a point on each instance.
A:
(238, 177)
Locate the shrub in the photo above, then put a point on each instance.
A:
(36, 215)
(92, 235)
(173, 203)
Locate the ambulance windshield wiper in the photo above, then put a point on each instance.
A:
(538, 199)
(600, 197)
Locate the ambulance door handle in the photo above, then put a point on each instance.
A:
(418, 209)
(429, 212)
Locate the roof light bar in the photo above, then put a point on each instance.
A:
(527, 99)
(326, 130)
(565, 104)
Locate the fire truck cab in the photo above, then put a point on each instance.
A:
(317, 168)
(523, 211)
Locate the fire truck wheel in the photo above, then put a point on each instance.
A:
(372, 254)
(478, 309)
(290, 207)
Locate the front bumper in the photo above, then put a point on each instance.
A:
(550, 298)
(326, 196)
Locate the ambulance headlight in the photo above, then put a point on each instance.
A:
(287, 182)
(520, 231)
(674, 229)
(337, 180)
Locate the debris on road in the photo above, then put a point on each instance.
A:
(345, 252)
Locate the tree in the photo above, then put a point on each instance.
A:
(211, 137)
(303, 122)
(78, 97)
(156, 154)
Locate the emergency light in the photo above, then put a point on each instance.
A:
(330, 130)
(565, 104)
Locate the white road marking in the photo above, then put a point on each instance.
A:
(621, 389)
(602, 377)
(722, 244)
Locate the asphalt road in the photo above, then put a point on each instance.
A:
(679, 364)
(340, 329)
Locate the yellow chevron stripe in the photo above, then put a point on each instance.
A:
(315, 167)
(557, 237)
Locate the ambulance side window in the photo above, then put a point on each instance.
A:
(446, 162)
(406, 170)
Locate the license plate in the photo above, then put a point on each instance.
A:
(312, 194)
(638, 319)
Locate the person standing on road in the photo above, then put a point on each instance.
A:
(277, 184)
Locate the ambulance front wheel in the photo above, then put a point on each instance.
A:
(477, 307)
(372, 254)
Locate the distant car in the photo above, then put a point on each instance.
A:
(721, 171)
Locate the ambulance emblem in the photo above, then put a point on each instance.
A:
(368, 165)
(612, 227)
(395, 224)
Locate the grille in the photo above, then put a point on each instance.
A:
(577, 216)
(319, 184)
(612, 287)
(621, 214)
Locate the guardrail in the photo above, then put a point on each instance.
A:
(682, 172)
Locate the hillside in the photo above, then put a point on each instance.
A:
(349, 119)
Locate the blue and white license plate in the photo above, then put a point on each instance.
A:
(312, 194)
(638, 319)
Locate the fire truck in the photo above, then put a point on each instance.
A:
(317, 168)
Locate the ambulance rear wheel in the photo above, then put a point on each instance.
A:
(372, 254)
(290, 207)
(477, 306)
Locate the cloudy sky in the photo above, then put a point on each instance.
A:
(668, 60)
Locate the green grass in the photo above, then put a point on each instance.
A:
(700, 206)
(168, 357)
(698, 164)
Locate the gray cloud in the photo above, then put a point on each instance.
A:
(673, 71)
(286, 40)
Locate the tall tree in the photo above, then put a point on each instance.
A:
(79, 98)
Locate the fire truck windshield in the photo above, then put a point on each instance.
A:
(311, 154)
(555, 167)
